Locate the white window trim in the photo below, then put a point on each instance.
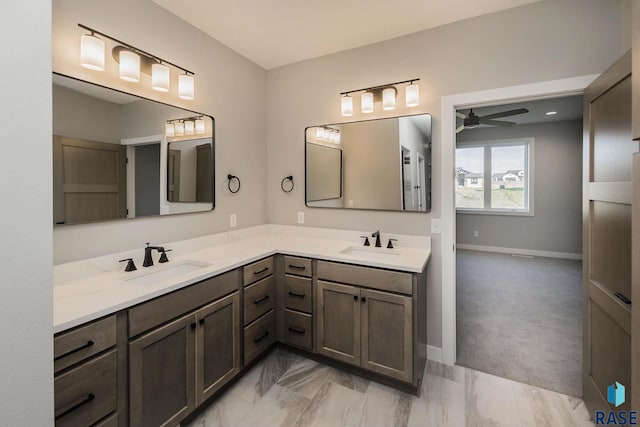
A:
(529, 188)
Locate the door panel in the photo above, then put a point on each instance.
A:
(339, 322)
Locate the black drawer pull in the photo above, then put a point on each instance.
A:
(293, 294)
(263, 299)
(297, 330)
(69, 353)
(83, 402)
(201, 321)
(622, 298)
(297, 267)
(262, 337)
(261, 271)
(193, 325)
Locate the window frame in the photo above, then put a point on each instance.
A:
(529, 143)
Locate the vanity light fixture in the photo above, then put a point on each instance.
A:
(185, 126)
(169, 130)
(179, 128)
(386, 93)
(200, 127)
(189, 127)
(327, 134)
(132, 61)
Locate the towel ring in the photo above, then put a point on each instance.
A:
(284, 181)
(231, 178)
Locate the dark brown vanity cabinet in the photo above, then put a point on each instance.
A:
(259, 303)
(366, 317)
(176, 366)
(297, 302)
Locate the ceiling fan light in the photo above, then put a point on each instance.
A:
(160, 77)
(92, 52)
(129, 66)
(389, 98)
(366, 102)
(347, 106)
(412, 95)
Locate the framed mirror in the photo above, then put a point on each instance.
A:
(382, 164)
(118, 155)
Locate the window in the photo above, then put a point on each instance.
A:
(495, 177)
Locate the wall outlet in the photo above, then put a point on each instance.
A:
(233, 220)
(475, 233)
(435, 226)
(300, 217)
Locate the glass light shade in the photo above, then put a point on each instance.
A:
(347, 106)
(318, 133)
(186, 87)
(412, 95)
(169, 130)
(160, 77)
(179, 128)
(189, 127)
(337, 138)
(366, 102)
(334, 137)
(200, 128)
(389, 99)
(92, 52)
(129, 66)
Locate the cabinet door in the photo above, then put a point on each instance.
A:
(387, 339)
(162, 374)
(338, 322)
(218, 345)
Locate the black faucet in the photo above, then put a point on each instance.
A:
(377, 236)
(148, 259)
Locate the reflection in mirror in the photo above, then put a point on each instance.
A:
(111, 156)
(382, 164)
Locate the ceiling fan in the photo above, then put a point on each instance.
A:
(472, 120)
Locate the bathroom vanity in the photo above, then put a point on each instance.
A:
(150, 347)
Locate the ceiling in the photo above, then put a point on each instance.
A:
(567, 108)
(273, 33)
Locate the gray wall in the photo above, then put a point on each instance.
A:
(228, 87)
(546, 40)
(555, 225)
(26, 368)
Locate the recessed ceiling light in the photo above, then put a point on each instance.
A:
(551, 113)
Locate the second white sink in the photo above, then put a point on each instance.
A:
(368, 252)
(169, 272)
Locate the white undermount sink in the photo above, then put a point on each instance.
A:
(368, 252)
(166, 273)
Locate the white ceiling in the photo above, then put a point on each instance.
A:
(273, 33)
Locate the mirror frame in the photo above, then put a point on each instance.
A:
(165, 166)
(428, 162)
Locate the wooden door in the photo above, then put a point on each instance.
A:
(162, 374)
(89, 180)
(173, 176)
(338, 322)
(608, 149)
(387, 334)
(204, 172)
(218, 345)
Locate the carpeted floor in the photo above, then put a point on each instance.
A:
(521, 318)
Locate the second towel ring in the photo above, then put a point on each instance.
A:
(231, 178)
(284, 180)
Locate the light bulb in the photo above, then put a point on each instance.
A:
(160, 77)
(169, 130)
(412, 95)
(186, 88)
(129, 66)
(200, 126)
(366, 102)
(389, 98)
(189, 127)
(347, 106)
(179, 128)
(92, 52)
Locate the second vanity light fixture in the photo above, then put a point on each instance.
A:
(387, 93)
(131, 61)
(328, 134)
(187, 126)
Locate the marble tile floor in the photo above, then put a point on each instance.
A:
(290, 391)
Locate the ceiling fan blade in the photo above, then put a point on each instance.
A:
(460, 129)
(460, 115)
(505, 113)
(496, 122)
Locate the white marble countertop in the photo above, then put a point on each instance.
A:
(89, 289)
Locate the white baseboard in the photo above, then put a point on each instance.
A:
(531, 252)
(432, 353)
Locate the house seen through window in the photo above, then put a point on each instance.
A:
(494, 176)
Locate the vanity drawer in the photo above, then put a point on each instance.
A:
(297, 329)
(385, 280)
(112, 421)
(258, 299)
(87, 393)
(297, 293)
(76, 345)
(297, 266)
(167, 307)
(258, 336)
(258, 270)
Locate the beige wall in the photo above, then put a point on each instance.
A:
(556, 225)
(542, 41)
(26, 294)
(228, 87)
